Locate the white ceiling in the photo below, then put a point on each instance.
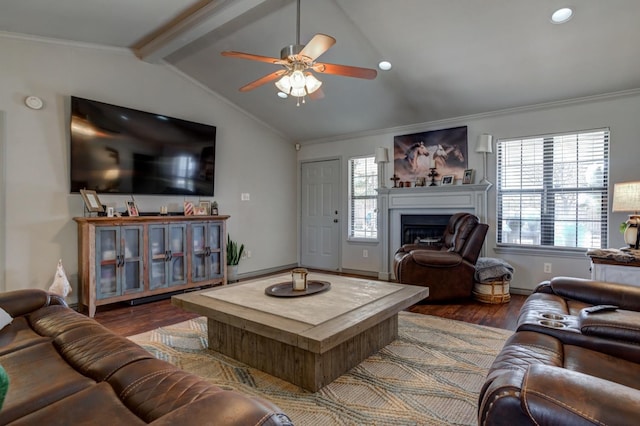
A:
(450, 58)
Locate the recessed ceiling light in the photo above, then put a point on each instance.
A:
(385, 65)
(282, 95)
(561, 16)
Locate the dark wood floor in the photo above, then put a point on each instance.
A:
(129, 320)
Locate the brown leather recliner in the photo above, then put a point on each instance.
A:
(448, 269)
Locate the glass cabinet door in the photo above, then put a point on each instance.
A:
(215, 254)
(107, 260)
(131, 259)
(177, 268)
(158, 255)
(198, 252)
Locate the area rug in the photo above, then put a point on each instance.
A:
(430, 375)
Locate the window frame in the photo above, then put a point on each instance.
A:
(548, 214)
(351, 199)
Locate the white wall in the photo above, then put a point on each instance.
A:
(38, 217)
(619, 112)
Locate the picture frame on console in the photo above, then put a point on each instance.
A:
(91, 201)
(447, 180)
(206, 205)
(132, 209)
(200, 211)
(188, 208)
(468, 177)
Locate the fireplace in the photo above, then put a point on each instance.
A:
(436, 201)
(423, 228)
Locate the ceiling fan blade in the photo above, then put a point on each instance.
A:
(262, 80)
(345, 70)
(319, 44)
(252, 57)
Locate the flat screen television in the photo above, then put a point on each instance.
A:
(120, 150)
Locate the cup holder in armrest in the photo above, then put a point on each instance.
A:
(552, 324)
(555, 317)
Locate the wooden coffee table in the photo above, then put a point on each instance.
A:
(309, 340)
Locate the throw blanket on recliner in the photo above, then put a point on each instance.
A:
(490, 269)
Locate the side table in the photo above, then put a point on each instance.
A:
(611, 270)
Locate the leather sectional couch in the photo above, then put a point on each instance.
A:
(65, 368)
(574, 359)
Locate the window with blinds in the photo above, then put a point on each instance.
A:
(363, 198)
(552, 190)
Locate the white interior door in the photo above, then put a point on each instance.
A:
(320, 225)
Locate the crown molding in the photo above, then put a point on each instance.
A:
(490, 114)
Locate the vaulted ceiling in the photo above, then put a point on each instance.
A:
(450, 58)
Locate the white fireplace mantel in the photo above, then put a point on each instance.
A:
(394, 202)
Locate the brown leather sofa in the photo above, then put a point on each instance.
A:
(64, 368)
(574, 359)
(447, 269)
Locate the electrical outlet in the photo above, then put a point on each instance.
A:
(365, 253)
(249, 253)
(245, 196)
(547, 268)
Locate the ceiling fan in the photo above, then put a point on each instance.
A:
(298, 62)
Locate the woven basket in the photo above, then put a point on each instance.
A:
(492, 292)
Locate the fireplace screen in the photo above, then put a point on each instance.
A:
(423, 229)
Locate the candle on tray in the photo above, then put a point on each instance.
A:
(299, 279)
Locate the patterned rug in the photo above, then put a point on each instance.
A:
(430, 375)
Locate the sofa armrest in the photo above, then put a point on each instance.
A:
(543, 287)
(618, 324)
(407, 248)
(555, 395)
(545, 395)
(230, 409)
(437, 259)
(21, 302)
(625, 296)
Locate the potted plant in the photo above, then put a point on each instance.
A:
(234, 254)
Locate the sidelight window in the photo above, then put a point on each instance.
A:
(363, 198)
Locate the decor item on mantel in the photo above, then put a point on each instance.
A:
(421, 154)
(485, 147)
(626, 198)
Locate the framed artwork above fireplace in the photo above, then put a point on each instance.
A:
(445, 150)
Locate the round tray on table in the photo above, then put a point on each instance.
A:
(286, 289)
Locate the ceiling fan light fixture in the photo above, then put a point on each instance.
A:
(311, 82)
(284, 84)
(297, 80)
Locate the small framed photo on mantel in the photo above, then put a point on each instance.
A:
(468, 176)
(447, 180)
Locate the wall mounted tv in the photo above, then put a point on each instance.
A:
(120, 150)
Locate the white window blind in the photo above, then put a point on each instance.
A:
(363, 198)
(553, 190)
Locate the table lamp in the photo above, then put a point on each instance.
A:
(626, 198)
(382, 156)
(484, 146)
